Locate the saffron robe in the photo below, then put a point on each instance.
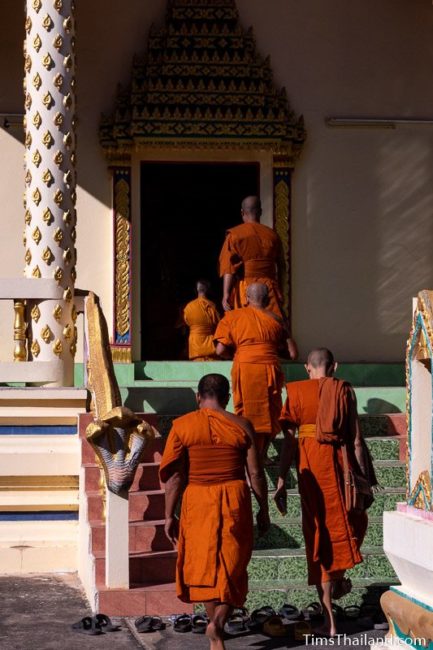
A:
(216, 521)
(332, 536)
(251, 252)
(257, 378)
(202, 317)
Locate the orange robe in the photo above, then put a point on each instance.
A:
(251, 252)
(216, 521)
(332, 537)
(202, 317)
(257, 378)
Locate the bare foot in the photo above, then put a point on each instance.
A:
(215, 637)
(325, 630)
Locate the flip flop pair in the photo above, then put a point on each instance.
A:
(259, 617)
(290, 612)
(237, 623)
(145, 624)
(92, 626)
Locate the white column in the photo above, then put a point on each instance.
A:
(50, 218)
(117, 540)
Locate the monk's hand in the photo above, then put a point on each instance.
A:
(263, 521)
(293, 349)
(172, 529)
(226, 305)
(280, 498)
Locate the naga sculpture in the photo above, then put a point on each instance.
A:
(117, 435)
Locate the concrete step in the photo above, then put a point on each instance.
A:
(156, 567)
(144, 537)
(151, 598)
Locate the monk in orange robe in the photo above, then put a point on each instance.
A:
(323, 411)
(256, 335)
(210, 451)
(201, 316)
(252, 252)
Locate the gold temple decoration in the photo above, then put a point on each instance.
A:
(36, 235)
(73, 234)
(67, 331)
(37, 119)
(37, 43)
(58, 158)
(28, 177)
(67, 256)
(202, 84)
(47, 255)
(58, 197)
(123, 226)
(58, 4)
(58, 119)
(20, 327)
(58, 235)
(74, 313)
(67, 217)
(67, 24)
(37, 4)
(67, 139)
(37, 158)
(28, 140)
(47, 62)
(57, 313)
(36, 196)
(28, 257)
(67, 62)
(48, 178)
(37, 81)
(58, 81)
(68, 177)
(422, 492)
(58, 274)
(67, 295)
(46, 334)
(58, 42)
(73, 274)
(57, 347)
(28, 63)
(35, 348)
(28, 24)
(48, 140)
(35, 313)
(47, 23)
(28, 101)
(73, 348)
(36, 273)
(47, 216)
(48, 100)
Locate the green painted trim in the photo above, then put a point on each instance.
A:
(412, 599)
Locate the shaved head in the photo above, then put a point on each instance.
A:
(203, 286)
(321, 358)
(258, 294)
(251, 208)
(214, 386)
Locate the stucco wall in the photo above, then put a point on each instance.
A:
(362, 199)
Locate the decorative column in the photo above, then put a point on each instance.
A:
(50, 195)
(281, 183)
(121, 346)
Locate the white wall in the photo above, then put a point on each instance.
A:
(362, 199)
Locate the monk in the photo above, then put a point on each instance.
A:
(252, 252)
(209, 451)
(323, 411)
(202, 317)
(256, 335)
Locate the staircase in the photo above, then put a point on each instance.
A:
(277, 571)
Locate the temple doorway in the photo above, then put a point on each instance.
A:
(185, 211)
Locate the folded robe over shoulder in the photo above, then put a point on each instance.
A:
(333, 537)
(202, 317)
(251, 252)
(257, 378)
(216, 524)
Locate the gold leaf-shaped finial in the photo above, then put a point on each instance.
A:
(67, 256)
(28, 24)
(67, 295)
(47, 255)
(58, 235)
(48, 178)
(48, 140)
(28, 140)
(57, 348)
(37, 158)
(35, 348)
(47, 23)
(48, 100)
(58, 274)
(28, 256)
(58, 42)
(37, 4)
(74, 313)
(58, 81)
(67, 24)
(28, 217)
(37, 119)
(58, 4)
(37, 81)
(36, 273)
(37, 43)
(67, 217)
(28, 63)
(35, 313)
(67, 62)
(57, 312)
(36, 235)
(47, 62)
(46, 334)
(68, 177)
(67, 100)
(58, 158)
(67, 331)
(58, 197)
(67, 139)
(36, 196)
(28, 101)
(58, 119)
(28, 177)
(47, 216)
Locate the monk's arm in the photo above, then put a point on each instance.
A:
(287, 456)
(258, 483)
(228, 281)
(223, 351)
(173, 490)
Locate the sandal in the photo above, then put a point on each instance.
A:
(149, 624)
(274, 627)
(290, 612)
(313, 612)
(259, 617)
(352, 612)
(182, 623)
(302, 629)
(237, 622)
(199, 623)
(87, 625)
(105, 623)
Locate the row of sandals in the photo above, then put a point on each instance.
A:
(288, 621)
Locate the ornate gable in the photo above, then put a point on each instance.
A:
(202, 84)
